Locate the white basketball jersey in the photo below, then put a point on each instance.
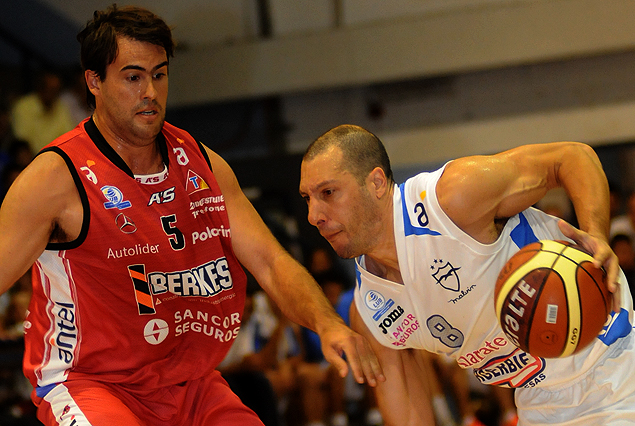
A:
(446, 301)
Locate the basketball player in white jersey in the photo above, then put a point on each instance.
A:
(428, 252)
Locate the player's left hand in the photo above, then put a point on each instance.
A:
(338, 341)
(603, 256)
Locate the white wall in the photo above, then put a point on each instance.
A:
(326, 58)
(431, 121)
(194, 22)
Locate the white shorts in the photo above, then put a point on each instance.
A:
(605, 395)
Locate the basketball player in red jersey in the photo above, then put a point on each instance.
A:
(137, 234)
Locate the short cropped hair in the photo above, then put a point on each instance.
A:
(98, 39)
(362, 151)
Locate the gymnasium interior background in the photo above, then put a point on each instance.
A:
(257, 80)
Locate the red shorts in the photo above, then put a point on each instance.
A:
(206, 401)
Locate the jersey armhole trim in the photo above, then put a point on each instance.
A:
(83, 197)
(204, 152)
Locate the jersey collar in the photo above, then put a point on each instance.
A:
(110, 153)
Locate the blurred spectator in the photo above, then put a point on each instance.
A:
(9, 174)
(615, 202)
(557, 203)
(477, 404)
(323, 258)
(18, 156)
(320, 260)
(320, 385)
(625, 224)
(326, 397)
(7, 135)
(13, 308)
(20, 153)
(622, 245)
(259, 366)
(16, 407)
(74, 96)
(40, 116)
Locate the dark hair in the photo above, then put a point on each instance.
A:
(362, 150)
(98, 39)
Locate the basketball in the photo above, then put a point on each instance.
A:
(551, 301)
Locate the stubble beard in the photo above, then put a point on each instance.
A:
(148, 132)
(364, 229)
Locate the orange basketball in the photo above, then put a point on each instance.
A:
(551, 301)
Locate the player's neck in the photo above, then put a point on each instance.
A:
(142, 157)
(388, 270)
(382, 260)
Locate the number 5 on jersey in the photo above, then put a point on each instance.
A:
(176, 237)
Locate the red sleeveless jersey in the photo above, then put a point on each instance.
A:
(151, 293)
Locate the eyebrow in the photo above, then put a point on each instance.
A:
(320, 185)
(140, 68)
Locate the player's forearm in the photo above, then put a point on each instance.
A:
(298, 295)
(583, 178)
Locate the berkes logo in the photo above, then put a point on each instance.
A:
(445, 275)
(194, 183)
(115, 198)
(125, 224)
(155, 331)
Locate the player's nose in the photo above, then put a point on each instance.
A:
(315, 214)
(149, 92)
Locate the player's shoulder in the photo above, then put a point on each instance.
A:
(48, 169)
(45, 185)
(49, 160)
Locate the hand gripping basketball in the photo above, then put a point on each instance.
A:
(551, 301)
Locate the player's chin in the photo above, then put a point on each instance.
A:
(150, 127)
(344, 250)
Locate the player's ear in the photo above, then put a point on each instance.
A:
(92, 81)
(378, 181)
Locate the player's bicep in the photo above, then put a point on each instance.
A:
(483, 188)
(28, 215)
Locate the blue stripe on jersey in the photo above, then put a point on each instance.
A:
(619, 326)
(42, 391)
(522, 234)
(409, 228)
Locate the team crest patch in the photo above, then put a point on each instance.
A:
(446, 275)
(194, 183)
(115, 198)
